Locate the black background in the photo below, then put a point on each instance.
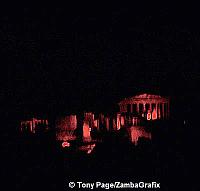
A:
(75, 57)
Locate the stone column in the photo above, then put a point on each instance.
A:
(150, 107)
(163, 110)
(144, 109)
(133, 121)
(157, 110)
(86, 131)
(138, 108)
(34, 124)
(107, 123)
(118, 121)
(158, 105)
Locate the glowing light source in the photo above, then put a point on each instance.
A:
(148, 116)
(154, 114)
(65, 144)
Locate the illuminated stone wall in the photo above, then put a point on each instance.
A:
(65, 127)
(86, 131)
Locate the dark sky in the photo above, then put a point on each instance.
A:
(75, 57)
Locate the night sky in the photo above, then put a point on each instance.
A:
(88, 57)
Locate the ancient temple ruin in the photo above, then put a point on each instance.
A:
(150, 106)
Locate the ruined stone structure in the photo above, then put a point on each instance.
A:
(89, 117)
(65, 127)
(33, 125)
(150, 106)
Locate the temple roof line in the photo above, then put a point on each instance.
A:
(142, 97)
(147, 96)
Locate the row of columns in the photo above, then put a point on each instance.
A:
(32, 124)
(162, 109)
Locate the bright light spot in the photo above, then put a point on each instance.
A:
(148, 116)
(89, 151)
(65, 144)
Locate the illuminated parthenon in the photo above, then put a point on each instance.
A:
(151, 106)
